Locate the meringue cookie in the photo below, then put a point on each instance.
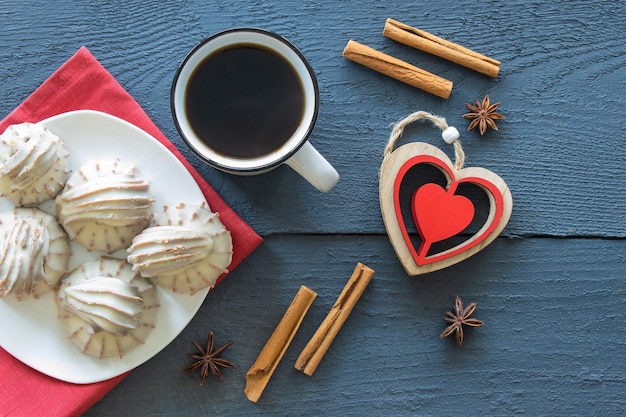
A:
(185, 249)
(104, 205)
(107, 309)
(34, 164)
(34, 253)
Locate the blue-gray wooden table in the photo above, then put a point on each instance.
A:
(551, 289)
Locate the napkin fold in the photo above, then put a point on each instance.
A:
(83, 83)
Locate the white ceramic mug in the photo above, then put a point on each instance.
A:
(296, 151)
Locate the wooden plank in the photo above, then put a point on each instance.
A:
(562, 69)
(551, 344)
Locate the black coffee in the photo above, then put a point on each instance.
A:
(244, 101)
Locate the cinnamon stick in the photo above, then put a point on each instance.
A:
(314, 351)
(432, 44)
(261, 371)
(397, 69)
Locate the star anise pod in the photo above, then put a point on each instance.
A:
(209, 359)
(460, 317)
(483, 115)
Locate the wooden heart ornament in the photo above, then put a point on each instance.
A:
(439, 212)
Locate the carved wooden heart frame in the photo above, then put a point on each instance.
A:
(417, 260)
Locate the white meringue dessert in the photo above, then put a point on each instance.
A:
(104, 205)
(185, 249)
(34, 253)
(106, 308)
(34, 164)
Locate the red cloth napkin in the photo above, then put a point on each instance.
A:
(83, 83)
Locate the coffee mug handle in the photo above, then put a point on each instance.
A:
(309, 163)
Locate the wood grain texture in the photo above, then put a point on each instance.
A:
(552, 294)
(561, 70)
(551, 345)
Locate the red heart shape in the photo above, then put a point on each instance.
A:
(439, 214)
